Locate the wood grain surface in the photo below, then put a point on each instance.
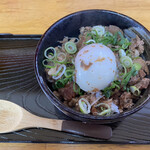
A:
(29, 146)
(34, 17)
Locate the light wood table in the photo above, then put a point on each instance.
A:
(35, 16)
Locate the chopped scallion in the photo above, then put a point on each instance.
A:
(59, 73)
(135, 90)
(61, 57)
(126, 61)
(50, 53)
(47, 63)
(100, 30)
(77, 89)
(90, 41)
(106, 110)
(122, 53)
(70, 47)
(126, 44)
(84, 105)
(124, 72)
(59, 84)
(108, 90)
(127, 77)
(73, 60)
(137, 66)
(69, 73)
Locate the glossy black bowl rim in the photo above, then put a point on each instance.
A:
(57, 102)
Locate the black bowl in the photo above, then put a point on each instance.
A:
(69, 26)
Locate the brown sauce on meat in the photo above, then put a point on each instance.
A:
(85, 51)
(84, 66)
(110, 59)
(99, 59)
(95, 90)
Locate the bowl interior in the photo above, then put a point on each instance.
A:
(69, 26)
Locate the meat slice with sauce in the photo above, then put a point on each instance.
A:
(142, 63)
(143, 84)
(113, 29)
(83, 37)
(126, 100)
(136, 47)
(67, 92)
(134, 80)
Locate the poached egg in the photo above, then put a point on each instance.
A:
(95, 67)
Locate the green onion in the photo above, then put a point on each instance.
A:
(100, 30)
(122, 38)
(136, 57)
(73, 60)
(74, 88)
(69, 73)
(125, 71)
(88, 35)
(127, 52)
(107, 34)
(115, 49)
(104, 111)
(136, 72)
(108, 38)
(126, 61)
(127, 89)
(96, 37)
(115, 84)
(122, 53)
(126, 44)
(59, 84)
(50, 53)
(128, 76)
(58, 73)
(108, 90)
(115, 37)
(61, 56)
(137, 66)
(90, 41)
(77, 90)
(84, 105)
(47, 63)
(70, 47)
(135, 90)
(66, 80)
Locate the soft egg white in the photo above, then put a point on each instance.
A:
(95, 67)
